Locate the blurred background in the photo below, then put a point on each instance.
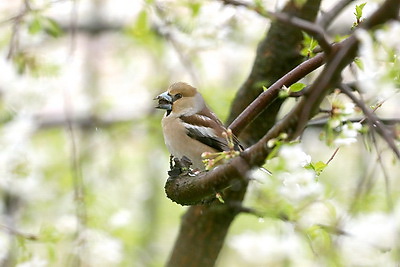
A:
(83, 162)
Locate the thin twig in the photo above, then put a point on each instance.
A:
(311, 28)
(73, 26)
(322, 121)
(185, 60)
(327, 17)
(77, 179)
(372, 119)
(15, 232)
(17, 20)
(333, 155)
(385, 173)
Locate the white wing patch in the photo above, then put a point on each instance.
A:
(205, 131)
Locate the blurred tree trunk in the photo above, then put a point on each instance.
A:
(204, 227)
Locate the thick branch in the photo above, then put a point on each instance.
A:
(188, 190)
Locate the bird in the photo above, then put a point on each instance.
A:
(189, 127)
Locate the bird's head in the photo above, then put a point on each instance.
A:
(180, 99)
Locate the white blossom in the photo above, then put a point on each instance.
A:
(67, 223)
(4, 245)
(268, 248)
(369, 239)
(98, 248)
(298, 183)
(348, 134)
(368, 76)
(121, 218)
(390, 36)
(348, 108)
(294, 157)
(34, 262)
(334, 122)
(324, 212)
(376, 62)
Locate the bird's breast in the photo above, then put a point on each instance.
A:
(179, 144)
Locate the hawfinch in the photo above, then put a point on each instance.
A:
(189, 127)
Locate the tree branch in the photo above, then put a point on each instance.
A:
(268, 96)
(322, 121)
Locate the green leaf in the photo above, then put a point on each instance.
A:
(20, 61)
(141, 27)
(359, 63)
(339, 38)
(359, 11)
(219, 197)
(195, 8)
(52, 27)
(283, 94)
(35, 25)
(318, 167)
(296, 87)
(309, 45)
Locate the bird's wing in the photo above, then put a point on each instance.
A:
(206, 128)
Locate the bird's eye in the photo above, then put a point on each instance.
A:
(177, 96)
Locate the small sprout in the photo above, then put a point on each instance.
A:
(358, 13)
(211, 160)
(52, 28)
(206, 155)
(359, 63)
(309, 44)
(284, 92)
(219, 197)
(318, 167)
(35, 26)
(271, 143)
(283, 136)
(296, 87)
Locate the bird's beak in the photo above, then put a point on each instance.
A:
(164, 101)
